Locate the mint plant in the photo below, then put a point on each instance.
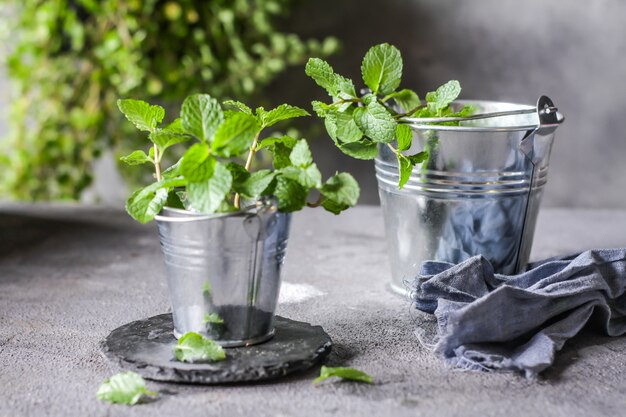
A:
(214, 174)
(358, 124)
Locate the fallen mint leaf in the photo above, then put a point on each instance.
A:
(124, 388)
(343, 373)
(193, 347)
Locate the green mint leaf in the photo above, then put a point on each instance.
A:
(235, 135)
(466, 111)
(405, 168)
(309, 177)
(282, 112)
(136, 158)
(443, 96)
(406, 164)
(174, 200)
(363, 149)
(333, 207)
(124, 388)
(238, 105)
(341, 188)
(301, 154)
(193, 347)
(291, 195)
(280, 148)
(407, 99)
(201, 116)
(197, 164)
(343, 373)
(213, 318)
(164, 138)
(323, 74)
(175, 127)
(345, 129)
(404, 134)
(418, 158)
(144, 116)
(173, 171)
(257, 183)
(320, 108)
(376, 122)
(239, 175)
(147, 202)
(382, 68)
(207, 196)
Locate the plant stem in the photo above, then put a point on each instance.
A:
(394, 150)
(317, 203)
(248, 164)
(157, 165)
(400, 115)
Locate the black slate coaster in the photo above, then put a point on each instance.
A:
(145, 346)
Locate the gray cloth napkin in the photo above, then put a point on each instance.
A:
(517, 323)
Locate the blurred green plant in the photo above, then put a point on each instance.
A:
(71, 59)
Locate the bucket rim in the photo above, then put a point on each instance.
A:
(185, 216)
(511, 106)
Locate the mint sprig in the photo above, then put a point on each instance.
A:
(358, 124)
(124, 388)
(210, 177)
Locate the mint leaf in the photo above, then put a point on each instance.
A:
(280, 148)
(124, 388)
(173, 171)
(290, 194)
(405, 168)
(344, 127)
(282, 112)
(320, 108)
(235, 135)
(443, 96)
(343, 373)
(207, 196)
(309, 177)
(362, 149)
(376, 122)
(406, 164)
(238, 105)
(256, 183)
(407, 99)
(323, 74)
(136, 158)
(197, 165)
(193, 347)
(382, 68)
(333, 207)
(144, 116)
(342, 188)
(201, 116)
(404, 134)
(174, 200)
(213, 318)
(301, 154)
(418, 158)
(147, 202)
(239, 175)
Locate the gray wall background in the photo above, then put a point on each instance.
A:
(574, 52)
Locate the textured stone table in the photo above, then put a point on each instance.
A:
(69, 275)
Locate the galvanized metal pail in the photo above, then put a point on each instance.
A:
(478, 193)
(223, 271)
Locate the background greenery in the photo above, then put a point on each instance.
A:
(71, 59)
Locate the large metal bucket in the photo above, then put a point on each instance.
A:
(223, 271)
(478, 193)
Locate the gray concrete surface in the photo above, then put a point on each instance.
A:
(70, 275)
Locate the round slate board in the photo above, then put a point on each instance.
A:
(145, 346)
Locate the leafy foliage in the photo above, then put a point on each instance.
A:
(73, 58)
(209, 175)
(358, 125)
(124, 388)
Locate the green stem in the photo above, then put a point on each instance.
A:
(248, 164)
(401, 115)
(157, 165)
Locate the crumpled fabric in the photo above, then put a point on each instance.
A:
(490, 321)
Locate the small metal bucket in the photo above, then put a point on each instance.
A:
(223, 271)
(478, 193)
